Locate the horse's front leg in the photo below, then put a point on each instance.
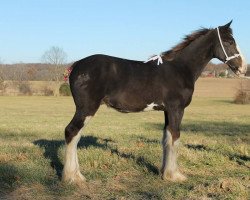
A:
(170, 140)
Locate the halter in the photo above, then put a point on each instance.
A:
(221, 44)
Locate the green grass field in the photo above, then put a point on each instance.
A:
(120, 154)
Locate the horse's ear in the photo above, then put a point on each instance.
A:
(227, 25)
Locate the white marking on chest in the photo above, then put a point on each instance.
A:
(150, 107)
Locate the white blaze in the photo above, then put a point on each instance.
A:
(243, 68)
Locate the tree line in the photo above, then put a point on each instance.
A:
(53, 65)
(50, 69)
(32, 72)
(53, 72)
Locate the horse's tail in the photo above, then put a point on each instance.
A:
(68, 71)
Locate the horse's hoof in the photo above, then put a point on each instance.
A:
(74, 178)
(178, 177)
(175, 177)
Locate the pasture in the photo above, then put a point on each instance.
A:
(120, 154)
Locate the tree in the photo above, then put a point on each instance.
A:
(3, 85)
(55, 56)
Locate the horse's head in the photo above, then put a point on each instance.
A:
(228, 51)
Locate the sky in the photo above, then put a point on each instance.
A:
(132, 29)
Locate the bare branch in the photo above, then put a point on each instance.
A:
(56, 57)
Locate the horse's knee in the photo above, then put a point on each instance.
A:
(167, 138)
(69, 134)
(175, 135)
(72, 129)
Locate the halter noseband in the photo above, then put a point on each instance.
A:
(227, 57)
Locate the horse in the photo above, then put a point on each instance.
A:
(135, 86)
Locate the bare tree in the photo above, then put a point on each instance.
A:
(2, 82)
(3, 85)
(56, 57)
(19, 73)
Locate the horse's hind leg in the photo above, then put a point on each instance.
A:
(71, 171)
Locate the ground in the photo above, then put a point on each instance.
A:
(120, 154)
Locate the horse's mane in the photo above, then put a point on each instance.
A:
(169, 55)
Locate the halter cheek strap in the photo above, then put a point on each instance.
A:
(221, 44)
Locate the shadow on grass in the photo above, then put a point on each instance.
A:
(214, 129)
(51, 152)
(239, 159)
(209, 128)
(148, 141)
(141, 161)
(52, 146)
(199, 147)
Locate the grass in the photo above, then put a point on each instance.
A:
(120, 154)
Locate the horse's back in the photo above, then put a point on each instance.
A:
(105, 69)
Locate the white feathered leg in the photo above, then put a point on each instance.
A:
(169, 168)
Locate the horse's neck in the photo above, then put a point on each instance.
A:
(196, 55)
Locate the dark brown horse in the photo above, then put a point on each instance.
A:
(134, 86)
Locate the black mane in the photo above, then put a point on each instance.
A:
(169, 55)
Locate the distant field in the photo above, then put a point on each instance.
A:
(205, 87)
(120, 154)
(219, 87)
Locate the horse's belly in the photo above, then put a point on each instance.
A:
(133, 105)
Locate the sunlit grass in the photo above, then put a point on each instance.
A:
(120, 154)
